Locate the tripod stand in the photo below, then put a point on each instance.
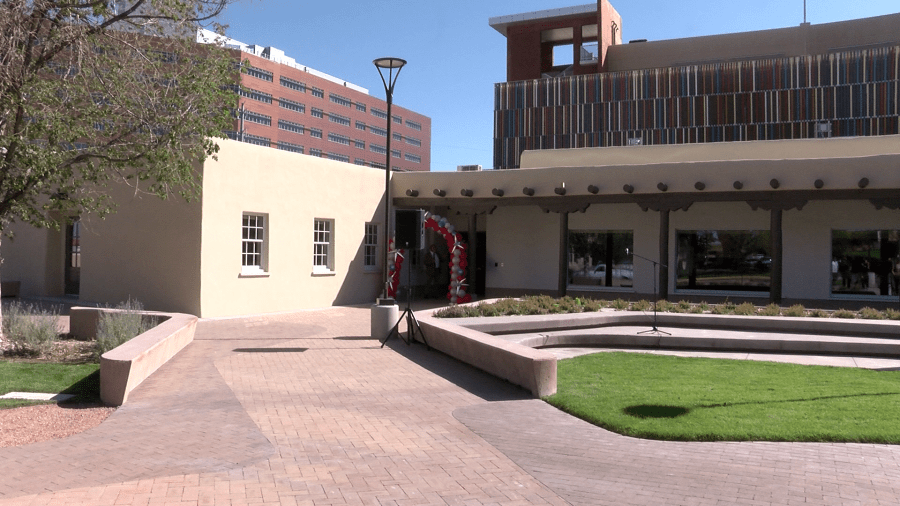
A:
(654, 329)
(412, 324)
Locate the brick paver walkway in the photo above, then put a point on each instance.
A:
(305, 409)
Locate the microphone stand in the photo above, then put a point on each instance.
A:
(655, 328)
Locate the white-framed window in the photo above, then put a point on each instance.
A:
(370, 247)
(323, 246)
(254, 244)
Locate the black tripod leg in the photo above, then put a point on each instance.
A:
(417, 328)
(394, 329)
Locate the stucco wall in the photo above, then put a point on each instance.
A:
(807, 241)
(148, 250)
(291, 190)
(29, 258)
(522, 249)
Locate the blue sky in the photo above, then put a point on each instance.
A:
(455, 57)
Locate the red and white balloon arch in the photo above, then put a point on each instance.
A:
(456, 291)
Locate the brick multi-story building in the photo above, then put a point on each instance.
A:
(295, 108)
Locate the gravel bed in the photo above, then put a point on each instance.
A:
(42, 422)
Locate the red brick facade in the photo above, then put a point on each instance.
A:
(292, 109)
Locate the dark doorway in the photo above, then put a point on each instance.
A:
(73, 256)
(479, 262)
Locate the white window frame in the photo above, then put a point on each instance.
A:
(370, 247)
(323, 246)
(254, 249)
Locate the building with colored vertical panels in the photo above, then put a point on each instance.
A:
(292, 107)
(836, 79)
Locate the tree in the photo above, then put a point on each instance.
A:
(99, 92)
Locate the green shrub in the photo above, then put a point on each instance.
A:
(683, 306)
(619, 304)
(592, 305)
(641, 305)
(117, 327)
(869, 313)
(892, 314)
(843, 313)
(745, 309)
(819, 313)
(664, 306)
(795, 310)
(702, 307)
(723, 309)
(29, 329)
(770, 310)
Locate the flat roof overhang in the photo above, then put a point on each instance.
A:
(784, 174)
(502, 23)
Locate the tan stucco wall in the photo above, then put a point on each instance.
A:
(147, 250)
(292, 190)
(780, 42)
(522, 251)
(807, 241)
(30, 259)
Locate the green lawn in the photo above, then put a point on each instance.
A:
(698, 399)
(81, 380)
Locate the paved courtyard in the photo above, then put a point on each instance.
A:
(306, 409)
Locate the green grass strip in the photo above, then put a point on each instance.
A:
(700, 399)
(80, 380)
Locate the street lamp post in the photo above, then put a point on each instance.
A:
(390, 64)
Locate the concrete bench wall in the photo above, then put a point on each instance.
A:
(125, 367)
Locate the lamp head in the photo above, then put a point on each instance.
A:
(389, 62)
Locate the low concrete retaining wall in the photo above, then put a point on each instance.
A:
(124, 368)
(521, 362)
(534, 370)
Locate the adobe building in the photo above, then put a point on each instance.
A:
(758, 166)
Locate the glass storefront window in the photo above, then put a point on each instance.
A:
(727, 260)
(865, 262)
(598, 258)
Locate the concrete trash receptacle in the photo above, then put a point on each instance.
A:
(385, 314)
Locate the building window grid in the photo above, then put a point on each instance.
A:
(290, 126)
(315, 132)
(253, 242)
(338, 138)
(414, 125)
(397, 137)
(294, 85)
(318, 92)
(360, 126)
(257, 95)
(413, 141)
(409, 157)
(259, 141)
(287, 146)
(291, 105)
(378, 113)
(315, 152)
(361, 107)
(265, 75)
(378, 131)
(337, 99)
(317, 113)
(358, 143)
(359, 161)
(395, 153)
(370, 246)
(338, 157)
(377, 148)
(397, 119)
(322, 245)
(337, 118)
(255, 117)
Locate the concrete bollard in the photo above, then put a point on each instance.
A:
(385, 314)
